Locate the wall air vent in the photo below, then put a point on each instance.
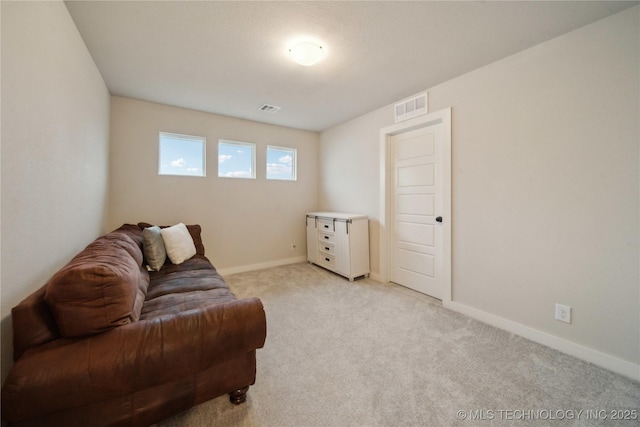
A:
(269, 108)
(411, 108)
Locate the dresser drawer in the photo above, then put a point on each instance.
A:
(328, 260)
(326, 248)
(326, 238)
(326, 226)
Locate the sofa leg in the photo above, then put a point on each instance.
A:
(239, 396)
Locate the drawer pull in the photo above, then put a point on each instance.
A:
(327, 259)
(326, 248)
(326, 237)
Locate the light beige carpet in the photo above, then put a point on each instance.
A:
(361, 353)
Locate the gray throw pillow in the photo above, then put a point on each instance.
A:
(153, 246)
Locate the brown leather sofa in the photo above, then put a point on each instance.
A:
(107, 343)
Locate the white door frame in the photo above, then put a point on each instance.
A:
(439, 117)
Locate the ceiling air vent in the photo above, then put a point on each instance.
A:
(269, 108)
(411, 108)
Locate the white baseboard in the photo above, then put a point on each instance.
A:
(251, 267)
(377, 277)
(619, 366)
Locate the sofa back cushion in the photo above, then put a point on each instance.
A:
(99, 288)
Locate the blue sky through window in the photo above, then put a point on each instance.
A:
(182, 155)
(281, 163)
(236, 159)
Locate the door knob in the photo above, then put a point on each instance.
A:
(439, 219)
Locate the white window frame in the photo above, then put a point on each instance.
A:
(249, 145)
(190, 138)
(294, 163)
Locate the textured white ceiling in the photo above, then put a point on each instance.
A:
(231, 57)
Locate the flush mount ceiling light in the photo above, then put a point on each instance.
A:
(306, 53)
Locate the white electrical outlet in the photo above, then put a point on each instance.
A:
(563, 313)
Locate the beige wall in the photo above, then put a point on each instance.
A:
(245, 222)
(349, 153)
(545, 186)
(55, 124)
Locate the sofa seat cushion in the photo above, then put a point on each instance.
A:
(179, 287)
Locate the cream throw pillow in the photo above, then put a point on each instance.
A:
(178, 243)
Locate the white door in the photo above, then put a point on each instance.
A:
(416, 237)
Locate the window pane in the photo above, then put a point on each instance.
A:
(182, 155)
(236, 159)
(281, 163)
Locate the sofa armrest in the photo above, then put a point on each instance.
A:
(71, 372)
(176, 345)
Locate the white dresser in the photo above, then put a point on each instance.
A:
(339, 242)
